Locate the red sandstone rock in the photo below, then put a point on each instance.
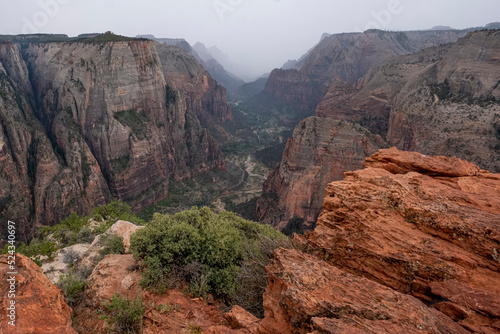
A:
(40, 305)
(239, 318)
(400, 162)
(433, 236)
(438, 101)
(306, 294)
(319, 151)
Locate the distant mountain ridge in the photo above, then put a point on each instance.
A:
(180, 42)
(347, 57)
(216, 69)
(228, 80)
(297, 64)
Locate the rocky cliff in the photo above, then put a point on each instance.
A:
(84, 121)
(308, 295)
(319, 151)
(217, 70)
(420, 225)
(347, 57)
(443, 100)
(440, 101)
(118, 274)
(407, 245)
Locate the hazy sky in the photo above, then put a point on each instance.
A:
(258, 34)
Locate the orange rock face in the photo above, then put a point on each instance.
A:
(40, 305)
(307, 295)
(423, 226)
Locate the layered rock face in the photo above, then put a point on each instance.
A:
(347, 57)
(86, 121)
(37, 182)
(407, 245)
(295, 87)
(40, 305)
(307, 295)
(319, 151)
(440, 101)
(420, 225)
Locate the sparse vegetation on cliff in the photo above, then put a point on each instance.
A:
(111, 244)
(73, 285)
(75, 229)
(135, 121)
(125, 315)
(36, 249)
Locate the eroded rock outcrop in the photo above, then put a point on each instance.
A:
(307, 295)
(440, 101)
(85, 256)
(420, 225)
(410, 244)
(40, 305)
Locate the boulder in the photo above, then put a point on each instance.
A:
(40, 305)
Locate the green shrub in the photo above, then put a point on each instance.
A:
(111, 243)
(67, 231)
(70, 256)
(115, 211)
(194, 329)
(253, 276)
(75, 229)
(38, 248)
(73, 286)
(166, 308)
(86, 235)
(206, 248)
(125, 315)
